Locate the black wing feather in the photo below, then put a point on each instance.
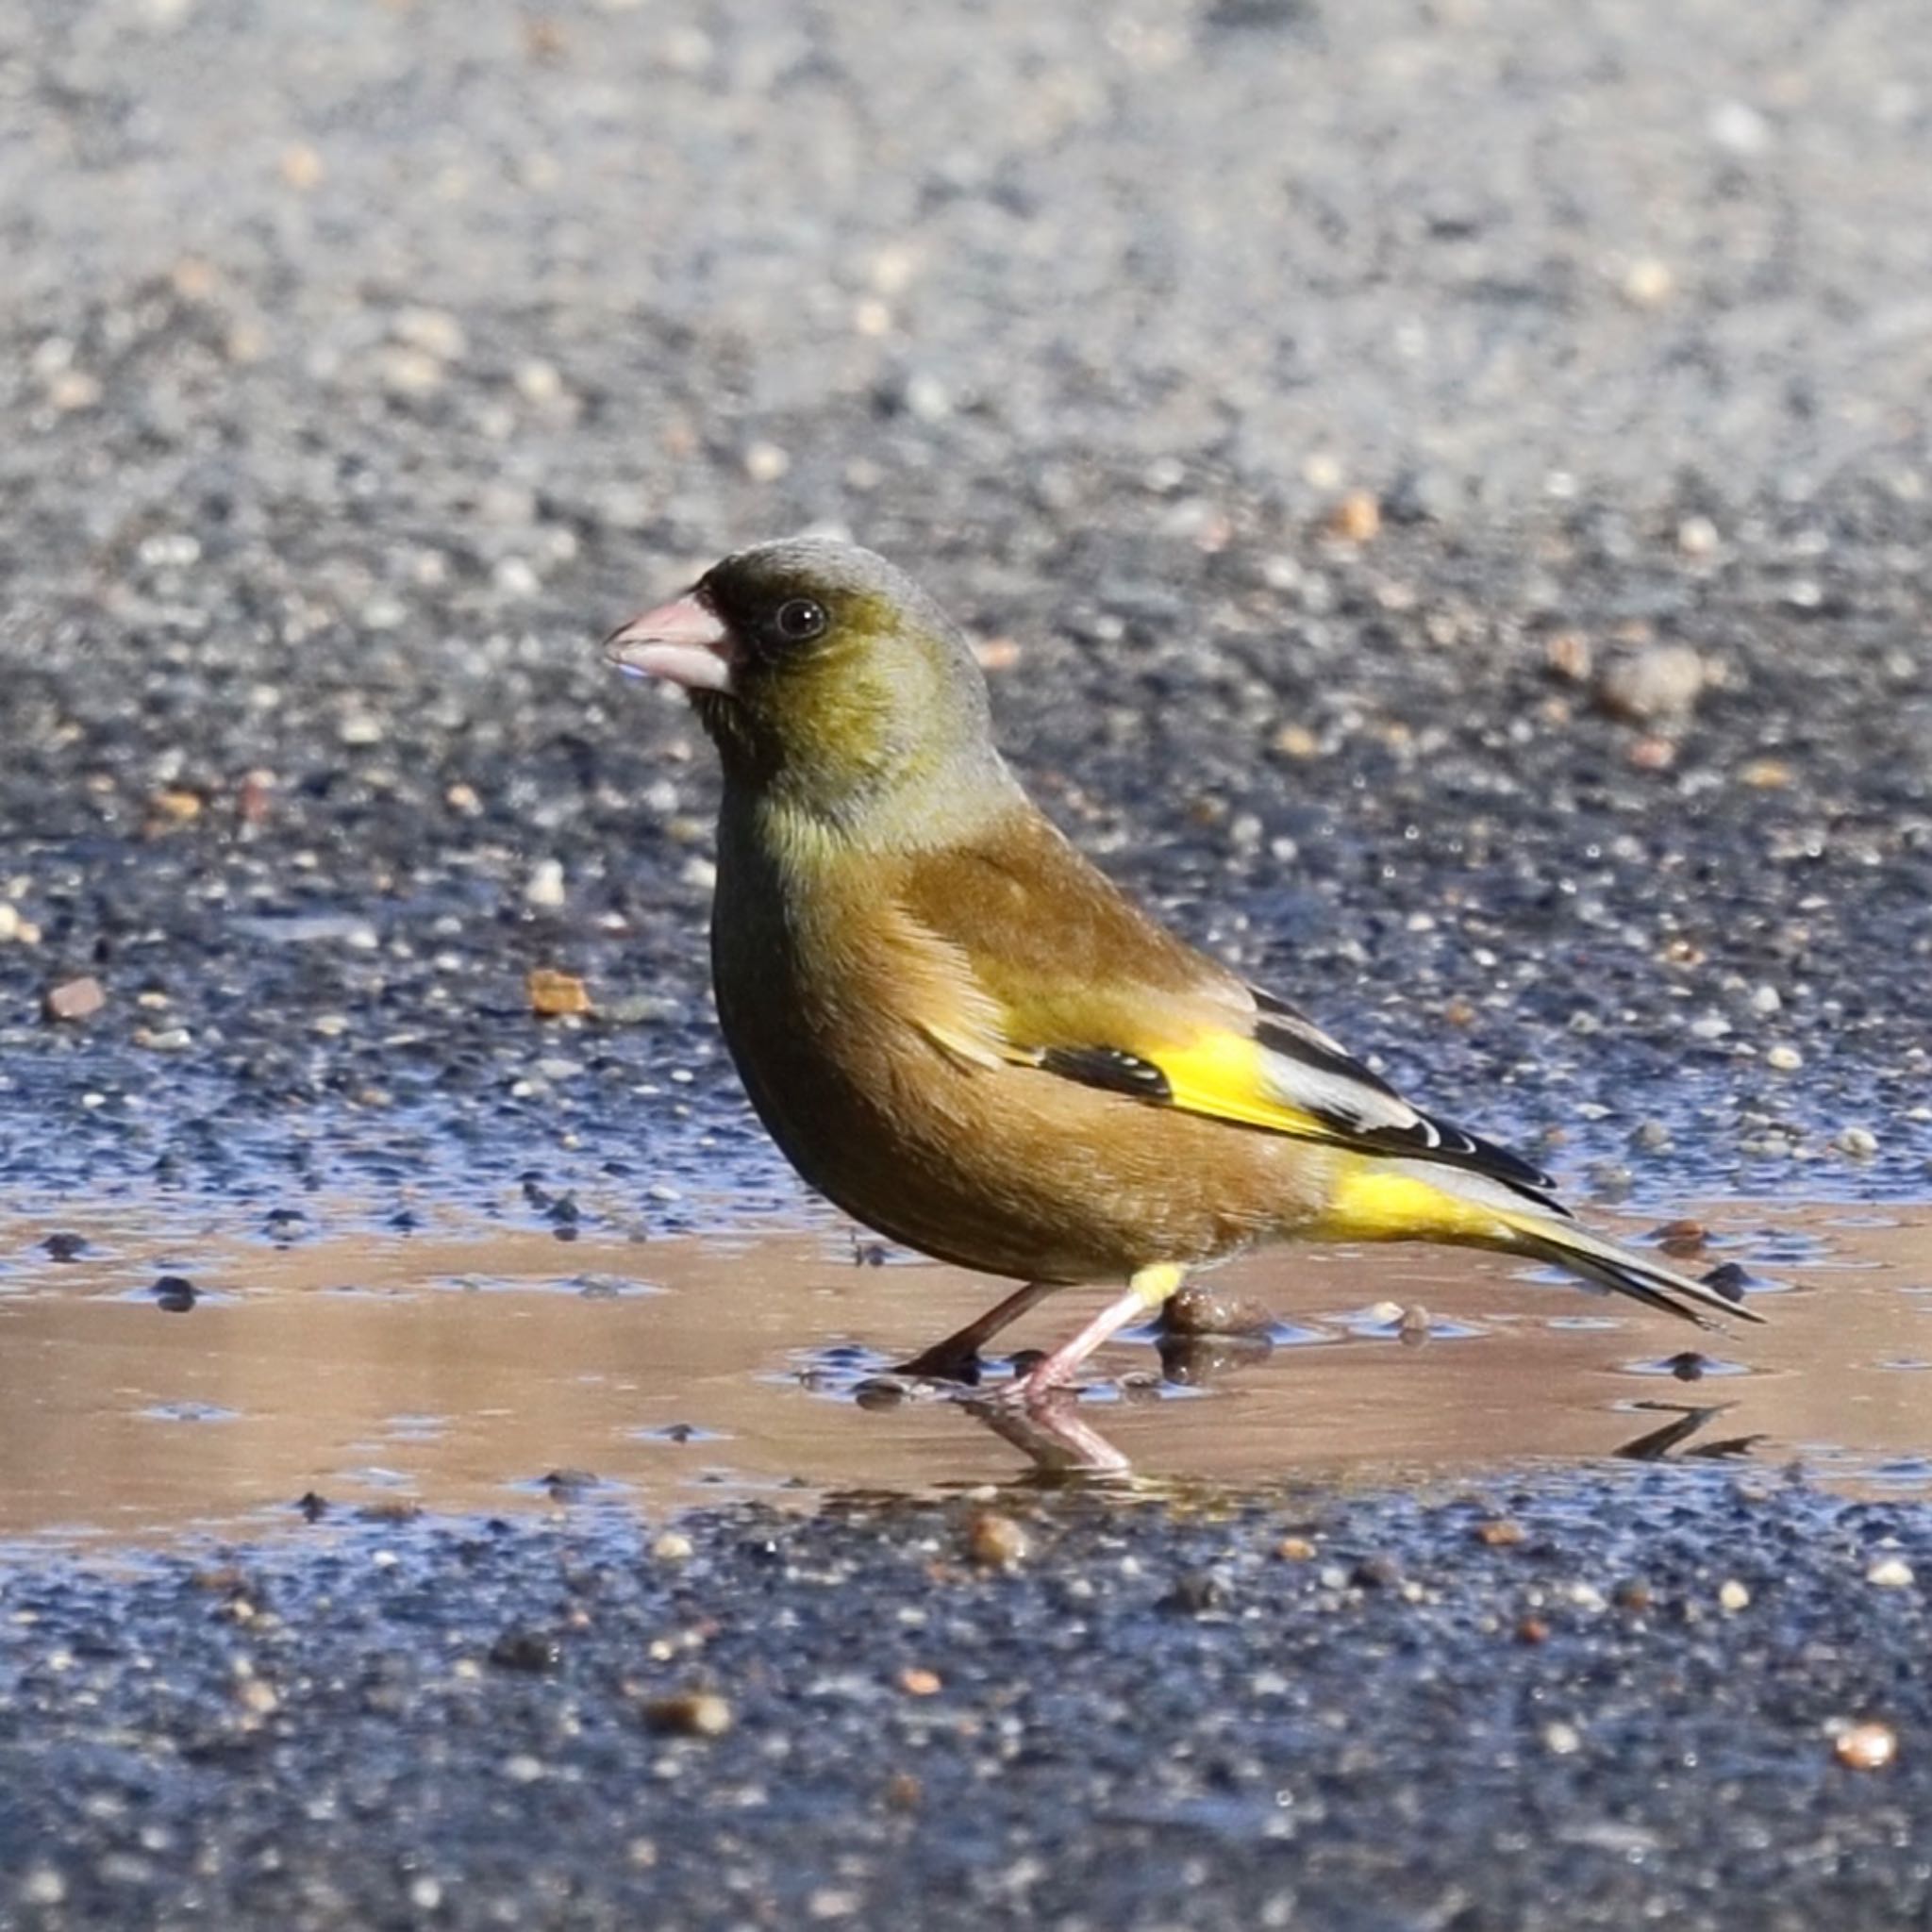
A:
(1109, 1068)
(1286, 1031)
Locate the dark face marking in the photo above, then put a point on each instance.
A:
(783, 611)
(848, 684)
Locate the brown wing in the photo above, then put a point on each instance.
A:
(1088, 986)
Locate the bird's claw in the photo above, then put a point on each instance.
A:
(942, 1364)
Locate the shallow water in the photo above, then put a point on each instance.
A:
(472, 1366)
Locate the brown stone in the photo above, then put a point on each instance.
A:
(75, 999)
(556, 996)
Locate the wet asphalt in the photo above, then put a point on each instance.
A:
(1652, 1698)
(1445, 504)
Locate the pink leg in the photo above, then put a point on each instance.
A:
(957, 1358)
(1150, 1288)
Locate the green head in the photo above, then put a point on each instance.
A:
(830, 683)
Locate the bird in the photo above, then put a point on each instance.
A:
(968, 1038)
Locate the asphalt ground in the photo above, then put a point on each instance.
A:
(360, 371)
(1654, 1698)
(1444, 499)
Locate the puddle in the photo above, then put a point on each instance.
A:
(479, 1368)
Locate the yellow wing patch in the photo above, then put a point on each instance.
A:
(1225, 1074)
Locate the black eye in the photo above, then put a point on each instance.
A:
(800, 620)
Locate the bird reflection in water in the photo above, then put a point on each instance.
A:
(1062, 1442)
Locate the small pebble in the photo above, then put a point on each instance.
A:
(1648, 284)
(1739, 127)
(765, 462)
(545, 891)
(1729, 1279)
(690, 1714)
(995, 1542)
(1859, 1142)
(555, 995)
(1697, 536)
(1890, 1572)
(1733, 1595)
(1866, 1746)
(174, 1294)
(1357, 519)
(1682, 1239)
(1782, 1059)
(1659, 685)
(672, 1547)
(435, 331)
(74, 388)
(1196, 1309)
(42, 1886)
(1569, 655)
(301, 167)
(258, 1699)
(75, 999)
(531, 1651)
(1195, 1594)
(926, 399)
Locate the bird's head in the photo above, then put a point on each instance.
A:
(828, 680)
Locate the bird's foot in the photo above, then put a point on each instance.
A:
(1048, 1375)
(943, 1363)
(1044, 1382)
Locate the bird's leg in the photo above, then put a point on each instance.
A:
(957, 1358)
(1145, 1293)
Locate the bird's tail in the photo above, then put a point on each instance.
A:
(1623, 1271)
(1386, 1200)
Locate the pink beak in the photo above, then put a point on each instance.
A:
(685, 642)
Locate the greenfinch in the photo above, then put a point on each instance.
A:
(968, 1038)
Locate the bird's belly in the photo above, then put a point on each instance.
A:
(1006, 1168)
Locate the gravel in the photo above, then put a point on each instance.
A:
(1444, 503)
(1298, 400)
(1664, 1697)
